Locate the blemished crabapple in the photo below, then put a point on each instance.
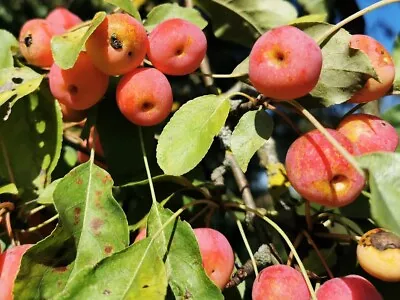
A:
(280, 282)
(34, 42)
(61, 16)
(369, 133)
(319, 173)
(10, 261)
(378, 253)
(351, 287)
(144, 96)
(285, 63)
(118, 45)
(177, 47)
(383, 65)
(80, 87)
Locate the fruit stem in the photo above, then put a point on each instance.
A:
(354, 16)
(285, 237)
(246, 243)
(146, 165)
(350, 158)
(283, 116)
(354, 109)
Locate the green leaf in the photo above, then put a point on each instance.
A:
(29, 162)
(66, 47)
(46, 267)
(16, 83)
(243, 21)
(177, 243)
(313, 263)
(189, 134)
(396, 60)
(9, 188)
(344, 70)
(89, 212)
(384, 182)
(252, 131)
(9, 45)
(126, 5)
(134, 273)
(310, 19)
(316, 6)
(167, 11)
(242, 69)
(46, 197)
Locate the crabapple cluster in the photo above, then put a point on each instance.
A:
(117, 47)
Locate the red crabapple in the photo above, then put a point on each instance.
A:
(80, 87)
(285, 63)
(319, 173)
(118, 45)
(144, 96)
(378, 253)
(369, 133)
(141, 235)
(10, 261)
(34, 42)
(63, 17)
(351, 287)
(92, 142)
(216, 254)
(280, 282)
(383, 65)
(177, 47)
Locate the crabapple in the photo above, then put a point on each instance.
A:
(63, 17)
(177, 47)
(319, 173)
(383, 65)
(34, 42)
(80, 87)
(369, 133)
(10, 261)
(92, 142)
(351, 287)
(216, 254)
(280, 282)
(141, 235)
(285, 63)
(118, 45)
(144, 96)
(72, 115)
(378, 253)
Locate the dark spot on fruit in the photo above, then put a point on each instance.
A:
(130, 53)
(28, 40)
(77, 214)
(212, 271)
(106, 292)
(385, 240)
(145, 286)
(147, 106)
(17, 80)
(73, 89)
(95, 224)
(79, 181)
(108, 249)
(115, 42)
(280, 56)
(383, 123)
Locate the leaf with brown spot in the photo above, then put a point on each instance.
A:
(134, 273)
(89, 212)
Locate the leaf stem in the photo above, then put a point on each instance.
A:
(284, 236)
(246, 243)
(350, 158)
(146, 165)
(31, 229)
(354, 16)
